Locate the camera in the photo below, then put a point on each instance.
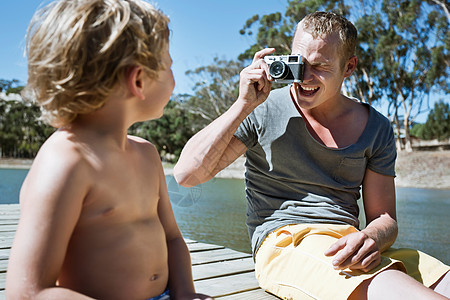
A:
(285, 68)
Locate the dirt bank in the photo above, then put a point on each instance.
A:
(424, 169)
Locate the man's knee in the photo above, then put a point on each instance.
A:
(442, 286)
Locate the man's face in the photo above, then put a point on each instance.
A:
(324, 74)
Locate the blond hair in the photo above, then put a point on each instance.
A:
(320, 24)
(78, 50)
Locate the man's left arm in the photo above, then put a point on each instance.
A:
(362, 250)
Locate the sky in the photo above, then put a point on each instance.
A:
(201, 30)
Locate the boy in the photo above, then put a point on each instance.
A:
(96, 220)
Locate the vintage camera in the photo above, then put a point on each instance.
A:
(285, 68)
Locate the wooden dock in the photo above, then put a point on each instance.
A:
(218, 271)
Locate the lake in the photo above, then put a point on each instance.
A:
(214, 212)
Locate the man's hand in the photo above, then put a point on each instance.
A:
(255, 81)
(356, 251)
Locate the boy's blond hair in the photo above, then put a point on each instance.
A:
(78, 50)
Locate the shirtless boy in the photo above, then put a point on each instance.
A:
(96, 220)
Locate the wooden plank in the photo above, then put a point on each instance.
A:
(6, 242)
(216, 256)
(257, 294)
(197, 247)
(4, 254)
(223, 268)
(12, 210)
(8, 228)
(7, 234)
(3, 267)
(8, 222)
(228, 285)
(189, 241)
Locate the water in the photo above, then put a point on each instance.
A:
(214, 212)
(10, 182)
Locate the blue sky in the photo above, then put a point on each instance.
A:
(201, 30)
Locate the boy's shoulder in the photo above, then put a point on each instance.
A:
(62, 149)
(143, 145)
(141, 142)
(60, 167)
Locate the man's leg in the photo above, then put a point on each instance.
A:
(290, 264)
(394, 284)
(442, 286)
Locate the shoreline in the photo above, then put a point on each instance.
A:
(419, 169)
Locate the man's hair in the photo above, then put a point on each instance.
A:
(320, 24)
(78, 50)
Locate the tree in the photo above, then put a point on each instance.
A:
(275, 30)
(21, 131)
(169, 133)
(10, 86)
(414, 56)
(216, 90)
(437, 125)
(403, 49)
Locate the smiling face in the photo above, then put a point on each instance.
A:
(324, 69)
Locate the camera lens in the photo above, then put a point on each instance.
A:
(277, 69)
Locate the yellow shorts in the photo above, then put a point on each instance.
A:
(290, 263)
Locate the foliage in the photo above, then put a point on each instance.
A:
(275, 30)
(414, 56)
(437, 125)
(169, 133)
(10, 86)
(21, 131)
(417, 129)
(216, 90)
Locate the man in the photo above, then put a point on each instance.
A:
(309, 149)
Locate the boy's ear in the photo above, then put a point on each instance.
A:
(135, 81)
(350, 66)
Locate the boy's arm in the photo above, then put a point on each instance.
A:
(214, 148)
(181, 284)
(51, 199)
(362, 250)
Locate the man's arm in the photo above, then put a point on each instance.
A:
(214, 148)
(362, 250)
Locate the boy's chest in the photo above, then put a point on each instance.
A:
(123, 194)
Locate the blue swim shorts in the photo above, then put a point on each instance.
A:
(163, 296)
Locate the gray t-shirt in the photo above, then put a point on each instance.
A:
(291, 178)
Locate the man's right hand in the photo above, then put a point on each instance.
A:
(255, 80)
